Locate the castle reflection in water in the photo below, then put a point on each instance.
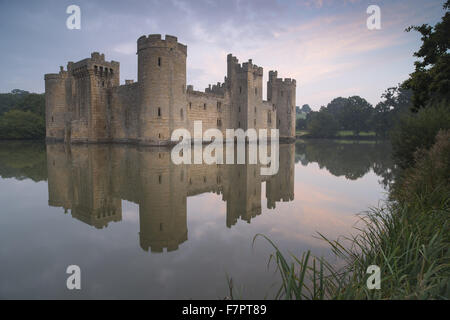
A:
(92, 180)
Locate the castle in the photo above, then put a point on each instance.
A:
(87, 104)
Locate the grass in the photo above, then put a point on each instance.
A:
(409, 243)
(343, 134)
(346, 133)
(301, 132)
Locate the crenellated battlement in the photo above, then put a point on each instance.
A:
(97, 57)
(247, 67)
(273, 77)
(218, 88)
(53, 76)
(252, 68)
(156, 41)
(95, 63)
(207, 93)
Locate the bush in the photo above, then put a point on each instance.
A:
(17, 124)
(429, 179)
(418, 131)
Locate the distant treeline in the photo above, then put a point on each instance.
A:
(22, 115)
(357, 115)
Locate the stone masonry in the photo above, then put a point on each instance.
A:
(87, 104)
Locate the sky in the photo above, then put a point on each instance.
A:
(324, 44)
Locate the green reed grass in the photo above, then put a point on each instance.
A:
(410, 244)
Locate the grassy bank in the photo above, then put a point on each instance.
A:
(343, 134)
(407, 239)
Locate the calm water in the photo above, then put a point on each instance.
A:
(140, 227)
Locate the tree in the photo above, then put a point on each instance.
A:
(306, 108)
(352, 113)
(22, 115)
(322, 125)
(418, 131)
(430, 81)
(16, 124)
(396, 103)
(33, 102)
(300, 124)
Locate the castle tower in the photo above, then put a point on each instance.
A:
(281, 93)
(55, 105)
(245, 86)
(162, 82)
(89, 103)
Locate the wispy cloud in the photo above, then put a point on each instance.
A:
(126, 48)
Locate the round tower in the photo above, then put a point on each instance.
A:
(55, 105)
(162, 83)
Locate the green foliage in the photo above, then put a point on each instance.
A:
(10, 100)
(430, 81)
(395, 104)
(17, 124)
(430, 176)
(300, 123)
(352, 113)
(306, 108)
(34, 103)
(22, 115)
(322, 125)
(418, 131)
(356, 115)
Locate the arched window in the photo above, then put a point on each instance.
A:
(159, 62)
(159, 112)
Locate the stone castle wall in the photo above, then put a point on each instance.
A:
(85, 103)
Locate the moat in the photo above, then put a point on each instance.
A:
(141, 227)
